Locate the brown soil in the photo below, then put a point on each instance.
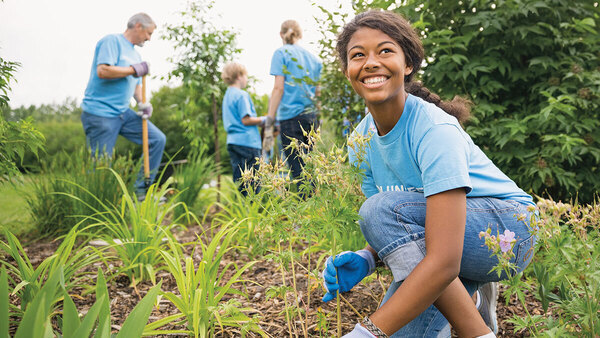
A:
(263, 275)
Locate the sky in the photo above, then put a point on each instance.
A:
(54, 40)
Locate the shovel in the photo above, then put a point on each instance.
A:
(145, 139)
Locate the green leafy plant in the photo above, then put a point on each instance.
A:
(51, 206)
(67, 258)
(202, 49)
(36, 321)
(570, 291)
(16, 138)
(535, 93)
(234, 207)
(137, 231)
(202, 288)
(192, 176)
(319, 210)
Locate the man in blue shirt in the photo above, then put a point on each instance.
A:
(115, 77)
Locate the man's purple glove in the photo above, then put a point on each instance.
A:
(349, 268)
(140, 69)
(144, 110)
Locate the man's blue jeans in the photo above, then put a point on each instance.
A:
(393, 224)
(242, 158)
(293, 129)
(101, 134)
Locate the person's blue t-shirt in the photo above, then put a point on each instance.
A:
(237, 104)
(294, 63)
(110, 97)
(428, 151)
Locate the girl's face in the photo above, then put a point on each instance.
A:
(376, 66)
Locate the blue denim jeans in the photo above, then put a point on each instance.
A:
(242, 157)
(101, 134)
(393, 223)
(292, 129)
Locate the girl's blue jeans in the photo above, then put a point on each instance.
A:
(393, 224)
(101, 134)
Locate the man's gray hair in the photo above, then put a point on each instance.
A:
(142, 18)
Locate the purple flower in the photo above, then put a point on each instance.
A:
(505, 240)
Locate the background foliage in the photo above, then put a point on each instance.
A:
(531, 68)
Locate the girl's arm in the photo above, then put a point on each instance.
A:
(435, 278)
(276, 96)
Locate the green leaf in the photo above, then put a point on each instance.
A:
(4, 301)
(137, 319)
(104, 315)
(88, 322)
(70, 317)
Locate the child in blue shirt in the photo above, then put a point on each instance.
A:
(240, 122)
(430, 189)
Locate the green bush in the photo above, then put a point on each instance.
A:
(532, 69)
(52, 208)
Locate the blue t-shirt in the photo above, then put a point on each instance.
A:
(294, 63)
(428, 151)
(110, 97)
(237, 104)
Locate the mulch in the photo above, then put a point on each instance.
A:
(263, 274)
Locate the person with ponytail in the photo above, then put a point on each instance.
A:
(292, 101)
(430, 193)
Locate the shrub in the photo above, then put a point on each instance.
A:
(52, 208)
(532, 69)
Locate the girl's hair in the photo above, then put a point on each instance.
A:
(400, 30)
(291, 31)
(231, 72)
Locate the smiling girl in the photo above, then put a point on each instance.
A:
(430, 191)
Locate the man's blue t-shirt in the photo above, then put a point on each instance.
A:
(110, 97)
(428, 151)
(237, 104)
(294, 63)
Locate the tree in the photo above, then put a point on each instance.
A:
(202, 50)
(16, 138)
(338, 100)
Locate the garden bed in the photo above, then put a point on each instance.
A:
(261, 276)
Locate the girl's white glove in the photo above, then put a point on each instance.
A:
(359, 332)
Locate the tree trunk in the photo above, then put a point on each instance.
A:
(217, 150)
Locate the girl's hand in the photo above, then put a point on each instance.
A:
(349, 268)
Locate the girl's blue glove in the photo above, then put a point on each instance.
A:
(350, 268)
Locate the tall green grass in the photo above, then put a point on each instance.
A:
(52, 209)
(201, 289)
(137, 231)
(191, 177)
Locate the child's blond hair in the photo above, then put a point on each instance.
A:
(232, 71)
(291, 31)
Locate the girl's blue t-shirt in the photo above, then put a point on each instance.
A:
(111, 97)
(237, 104)
(428, 151)
(295, 63)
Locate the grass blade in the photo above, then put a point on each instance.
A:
(4, 301)
(137, 319)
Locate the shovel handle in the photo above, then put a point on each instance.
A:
(145, 135)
